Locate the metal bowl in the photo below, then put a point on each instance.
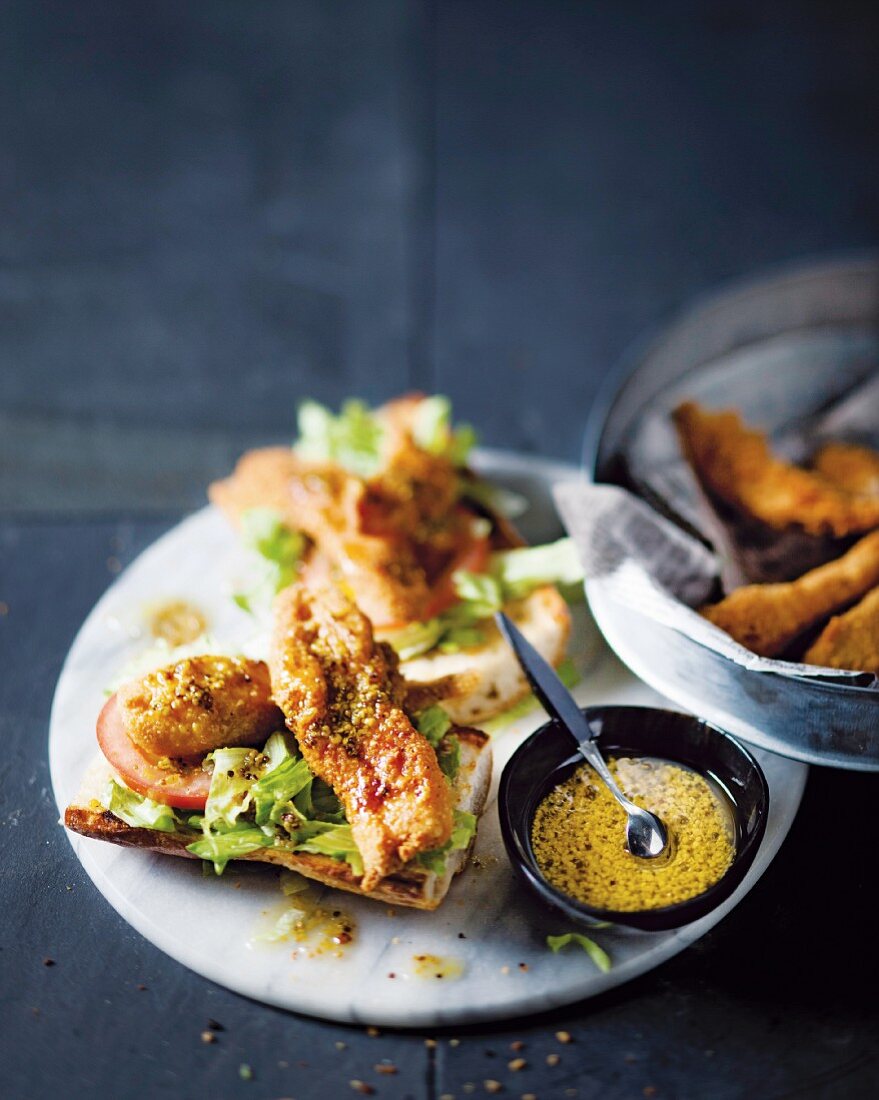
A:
(743, 347)
(546, 759)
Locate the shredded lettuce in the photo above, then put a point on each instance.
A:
(293, 883)
(520, 571)
(219, 848)
(416, 638)
(336, 841)
(231, 792)
(277, 550)
(433, 723)
(273, 794)
(493, 498)
(463, 831)
(512, 574)
(481, 594)
(137, 810)
(432, 430)
(597, 954)
(448, 755)
(269, 798)
(352, 439)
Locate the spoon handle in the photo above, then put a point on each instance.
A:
(554, 697)
(590, 750)
(556, 700)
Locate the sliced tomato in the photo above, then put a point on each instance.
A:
(471, 558)
(185, 786)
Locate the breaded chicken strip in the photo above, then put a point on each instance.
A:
(199, 704)
(389, 536)
(851, 640)
(849, 467)
(341, 698)
(766, 618)
(737, 465)
(337, 512)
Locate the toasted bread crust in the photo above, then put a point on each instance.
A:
(475, 685)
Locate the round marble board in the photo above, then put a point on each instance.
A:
(487, 930)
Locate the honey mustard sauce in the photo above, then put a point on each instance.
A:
(176, 622)
(579, 836)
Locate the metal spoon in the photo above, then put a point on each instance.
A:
(646, 836)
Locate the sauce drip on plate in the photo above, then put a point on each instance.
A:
(176, 622)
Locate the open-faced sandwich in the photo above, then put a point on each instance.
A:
(385, 507)
(346, 754)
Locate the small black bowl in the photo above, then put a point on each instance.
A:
(549, 756)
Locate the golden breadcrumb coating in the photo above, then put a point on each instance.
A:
(851, 640)
(387, 536)
(199, 704)
(737, 465)
(336, 687)
(766, 618)
(849, 467)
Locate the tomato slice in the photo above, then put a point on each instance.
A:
(185, 786)
(471, 558)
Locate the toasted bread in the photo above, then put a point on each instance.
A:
(475, 684)
(412, 886)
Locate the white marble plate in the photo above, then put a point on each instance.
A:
(487, 925)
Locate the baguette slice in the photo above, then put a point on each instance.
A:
(474, 685)
(412, 886)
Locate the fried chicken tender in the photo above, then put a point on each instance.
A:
(851, 640)
(849, 467)
(387, 536)
(330, 507)
(341, 697)
(200, 704)
(737, 464)
(766, 618)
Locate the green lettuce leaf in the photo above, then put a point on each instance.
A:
(273, 794)
(319, 802)
(512, 574)
(352, 439)
(277, 551)
(432, 430)
(433, 723)
(463, 831)
(336, 841)
(219, 848)
(231, 790)
(597, 954)
(522, 570)
(481, 594)
(448, 755)
(137, 810)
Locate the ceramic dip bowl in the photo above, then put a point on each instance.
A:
(549, 757)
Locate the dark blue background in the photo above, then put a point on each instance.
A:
(209, 210)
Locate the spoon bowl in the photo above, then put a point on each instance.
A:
(646, 836)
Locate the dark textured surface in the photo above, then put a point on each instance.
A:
(210, 209)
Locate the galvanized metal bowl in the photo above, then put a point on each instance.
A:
(732, 343)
